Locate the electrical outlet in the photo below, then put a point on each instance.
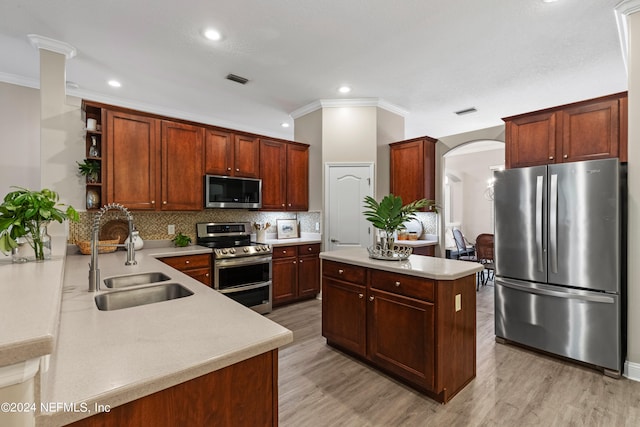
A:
(317, 226)
(458, 302)
(171, 229)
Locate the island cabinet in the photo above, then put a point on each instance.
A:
(150, 163)
(196, 266)
(243, 394)
(284, 169)
(231, 154)
(587, 130)
(418, 330)
(295, 273)
(412, 174)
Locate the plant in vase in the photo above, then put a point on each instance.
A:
(90, 169)
(26, 213)
(181, 240)
(390, 215)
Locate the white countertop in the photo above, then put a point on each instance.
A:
(417, 265)
(305, 238)
(417, 243)
(113, 357)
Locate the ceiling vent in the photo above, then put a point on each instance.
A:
(466, 111)
(237, 79)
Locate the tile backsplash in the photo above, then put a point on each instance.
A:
(153, 225)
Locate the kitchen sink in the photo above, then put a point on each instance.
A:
(135, 279)
(117, 300)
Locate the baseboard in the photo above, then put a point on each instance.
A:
(632, 370)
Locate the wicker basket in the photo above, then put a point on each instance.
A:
(85, 246)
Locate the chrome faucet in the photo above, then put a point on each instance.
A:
(94, 271)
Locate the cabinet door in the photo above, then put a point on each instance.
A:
(297, 177)
(344, 315)
(202, 275)
(182, 154)
(624, 129)
(273, 171)
(218, 157)
(531, 140)
(401, 336)
(284, 280)
(246, 156)
(308, 275)
(133, 160)
(590, 132)
(413, 170)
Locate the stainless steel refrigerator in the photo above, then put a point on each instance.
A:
(560, 259)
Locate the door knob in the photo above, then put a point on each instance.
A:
(334, 240)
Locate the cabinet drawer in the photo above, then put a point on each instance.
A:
(346, 272)
(200, 274)
(284, 251)
(309, 249)
(188, 262)
(416, 287)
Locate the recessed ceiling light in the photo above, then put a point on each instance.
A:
(114, 83)
(212, 34)
(285, 125)
(344, 89)
(549, 1)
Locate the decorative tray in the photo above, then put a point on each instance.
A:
(399, 253)
(115, 229)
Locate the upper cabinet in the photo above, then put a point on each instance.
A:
(588, 130)
(284, 169)
(94, 116)
(413, 169)
(228, 153)
(151, 163)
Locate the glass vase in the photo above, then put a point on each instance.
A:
(41, 243)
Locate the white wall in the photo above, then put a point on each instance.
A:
(473, 210)
(349, 134)
(308, 129)
(19, 137)
(390, 128)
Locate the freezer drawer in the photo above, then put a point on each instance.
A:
(581, 325)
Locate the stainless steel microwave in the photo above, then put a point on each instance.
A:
(232, 192)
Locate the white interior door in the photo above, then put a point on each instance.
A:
(346, 187)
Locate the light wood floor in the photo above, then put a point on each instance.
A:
(320, 386)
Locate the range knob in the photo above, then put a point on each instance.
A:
(224, 251)
(265, 248)
(245, 250)
(217, 251)
(232, 251)
(258, 248)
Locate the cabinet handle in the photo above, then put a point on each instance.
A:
(206, 275)
(153, 202)
(164, 203)
(284, 252)
(237, 170)
(309, 249)
(360, 296)
(340, 271)
(397, 284)
(294, 262)
(300, 261)
(228, 169)
(186, 262)
(283, 205)
(550, 157)
(371, 298)
(289, 204)
(566, 156)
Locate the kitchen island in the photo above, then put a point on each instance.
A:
(184, 361)
(413, 319)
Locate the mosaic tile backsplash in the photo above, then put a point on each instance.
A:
(153, 225)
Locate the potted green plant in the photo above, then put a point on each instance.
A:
(181, 240)
(26, 213)
(90, 169)
(390, 215)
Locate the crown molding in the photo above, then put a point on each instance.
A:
(41, 42)
(622, 11)
(19, 80)
(353, 102)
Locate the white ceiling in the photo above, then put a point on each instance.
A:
(428, 57)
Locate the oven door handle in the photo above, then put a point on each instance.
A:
(241, 288)
(224, 263)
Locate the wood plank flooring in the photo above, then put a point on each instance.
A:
(320, 386)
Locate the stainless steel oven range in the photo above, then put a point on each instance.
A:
(241, 268)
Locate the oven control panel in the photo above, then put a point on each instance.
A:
(242, 251)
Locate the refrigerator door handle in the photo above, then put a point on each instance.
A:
(548, 292)
(539, 193)
(553, 223)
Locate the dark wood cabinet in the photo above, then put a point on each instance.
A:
(228, 153)
(424, 250)
(133, 160)
(295, 273)
(587, 130)
(181, 177)
(419, 330)
(195, 266)
(412, 174)
(284, 169)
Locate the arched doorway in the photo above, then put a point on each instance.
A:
(467, 197)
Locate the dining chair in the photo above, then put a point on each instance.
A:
(484, 253)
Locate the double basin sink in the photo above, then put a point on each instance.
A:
(120, 299)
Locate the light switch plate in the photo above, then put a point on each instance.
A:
(458, 302)
(171, 229)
